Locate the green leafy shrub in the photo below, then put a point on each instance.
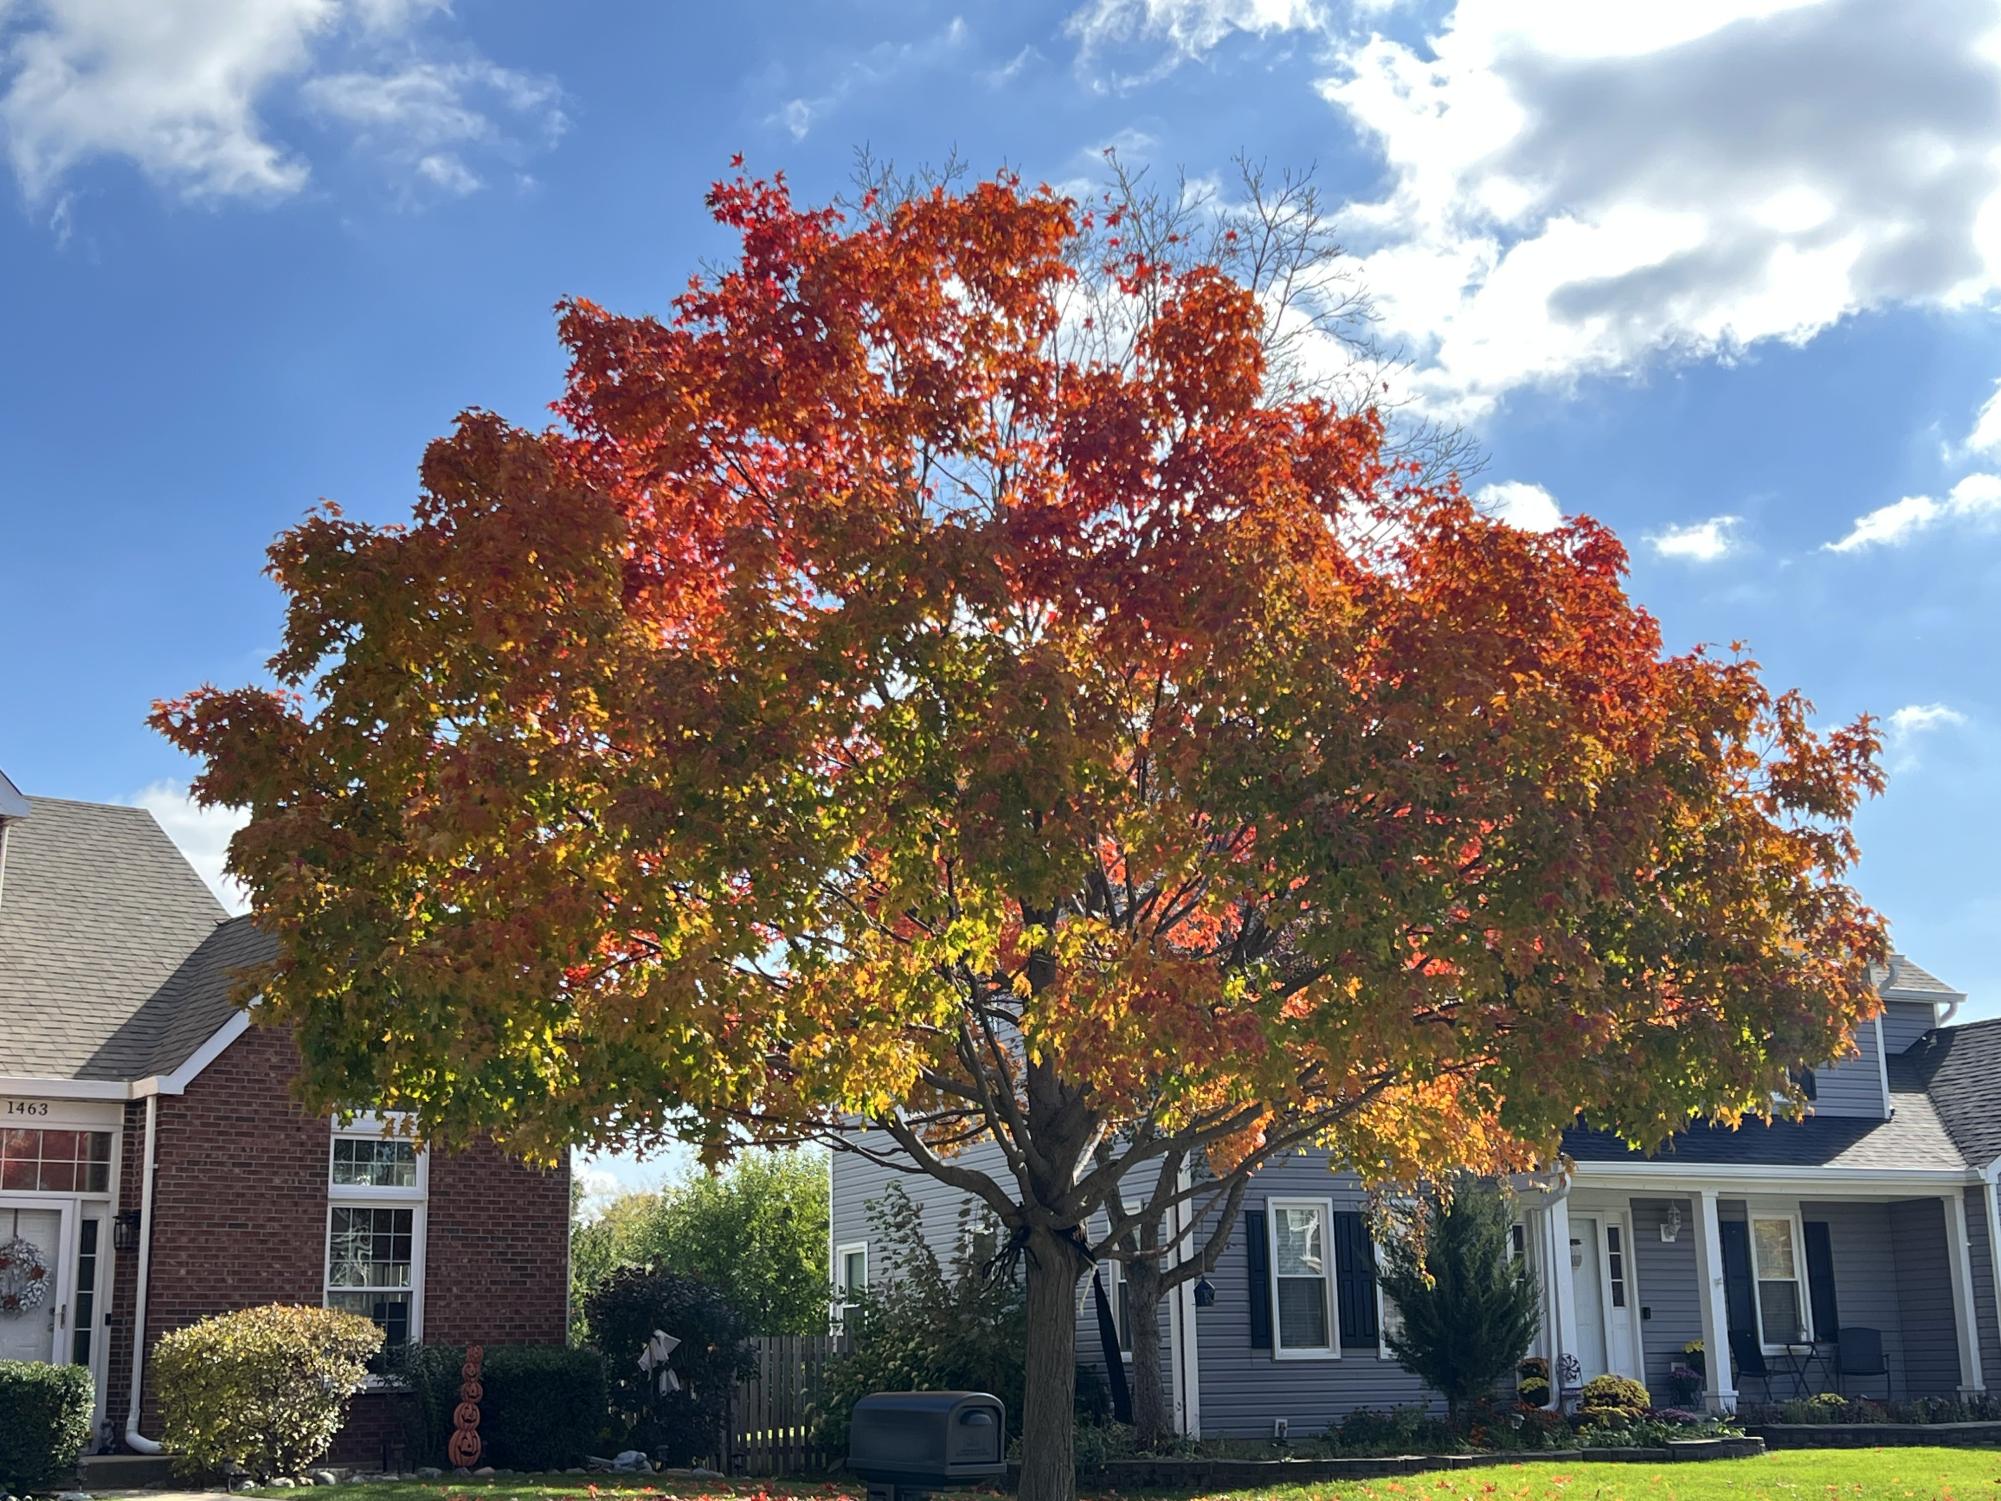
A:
(543, 1407)
(1613, 1394)
(44, 1422)
(1402, 1430)
(714, 1354)
(262, 1388)
(1468, 1310)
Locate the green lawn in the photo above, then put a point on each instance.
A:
(1796, 1475)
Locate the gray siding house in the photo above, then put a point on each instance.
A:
(1877, 1212)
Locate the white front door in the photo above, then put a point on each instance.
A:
(34, 1333)
(1587, 1285)
(1602, 1275)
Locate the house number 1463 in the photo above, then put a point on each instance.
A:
(27, 1107)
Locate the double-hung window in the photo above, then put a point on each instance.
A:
(850, 1278)
(1778, 1271)
(1118, 1291)
(376, 1188)
(1302, 1279)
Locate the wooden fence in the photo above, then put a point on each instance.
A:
(774, 1416)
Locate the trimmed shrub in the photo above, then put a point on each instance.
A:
(1613, 1394)
(44, 1422)
(265, 1389)
(1403, 1430)
(543, 1408)
(714, 1354)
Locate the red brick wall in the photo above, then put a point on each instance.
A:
(240, 1214)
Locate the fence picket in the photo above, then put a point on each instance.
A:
(771, 1428)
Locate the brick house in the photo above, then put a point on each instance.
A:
(120, 1043)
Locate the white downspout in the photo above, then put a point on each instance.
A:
(134, 1440)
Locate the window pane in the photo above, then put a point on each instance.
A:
(370, 1248)
(1779, 1306)
(389, 1311)
(1299, 1237)
(1774, 1241)
(1302, 1313)
(372, 1163)
(854, 1271)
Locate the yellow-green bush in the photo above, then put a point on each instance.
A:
(263, 1388)
(44, 1422)
(1614, 1394)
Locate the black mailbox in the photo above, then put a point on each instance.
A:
(914, 1442)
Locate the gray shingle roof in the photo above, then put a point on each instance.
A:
(1914, 1137)
(1960, 1067)
(115, 958)
(1906, 977)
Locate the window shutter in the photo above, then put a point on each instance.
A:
(1820, 1279)
(1734, 1236)
(1355, 1280)
(1257, 1251)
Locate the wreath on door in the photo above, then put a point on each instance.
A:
(24, 1276)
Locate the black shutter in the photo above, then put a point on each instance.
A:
(1354, 1281)
(1257, 1251)
(1735, 1238)
(1820, 1279)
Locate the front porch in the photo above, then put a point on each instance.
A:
(1635, 1268)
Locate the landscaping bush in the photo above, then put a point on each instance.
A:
(1620, 1394)
(714, 1354)
(543, 1406)
(1467, 1311)
(1403, 1430)
(44, 1422)
(265, 1389)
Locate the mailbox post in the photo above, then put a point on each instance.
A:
(909, 1444)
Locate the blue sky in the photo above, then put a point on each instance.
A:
(1724, 275)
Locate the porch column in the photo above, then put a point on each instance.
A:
(1965, 1325)
(1714, 1305)
(1563, 1292)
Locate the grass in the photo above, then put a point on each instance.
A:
(1920, 1474)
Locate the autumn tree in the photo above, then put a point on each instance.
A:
(881, 698)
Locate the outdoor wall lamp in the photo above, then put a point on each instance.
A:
(125, 1230)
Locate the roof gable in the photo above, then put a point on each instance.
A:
(112, 949)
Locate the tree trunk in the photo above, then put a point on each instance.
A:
(1152, 1424)
(1048, 1416)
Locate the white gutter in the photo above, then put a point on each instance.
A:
(134, 1440)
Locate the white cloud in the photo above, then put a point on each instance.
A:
(184, 90)
(1698, 541)
(1154, 37)
(422, 115)
(1013, 68)
(866, 71)
(170, 85)
(1579, 188)
(1906, 726)
(1976, 498)
(1986, 435)
(1529, 507)
(202, 834)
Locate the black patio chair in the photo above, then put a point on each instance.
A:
(1748, 1355)
(1858, 1354)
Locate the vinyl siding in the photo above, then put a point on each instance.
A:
(1981, 1250)
(1244, 1389)
(1854, 1086)
(1868, 1273)
(1924, 1294)
(1904, 1022)
(1670, 1304)
(859, 1184)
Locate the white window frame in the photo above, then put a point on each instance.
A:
(373, 1127)
(1385, 1304)
(1790, 1213)
(841, 1305)
(1324, 1207)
